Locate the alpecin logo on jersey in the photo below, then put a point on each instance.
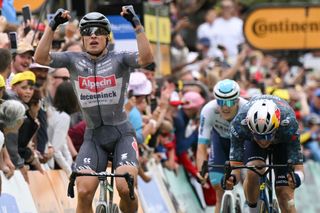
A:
(96, 84)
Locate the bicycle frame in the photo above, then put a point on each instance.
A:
(232, 201)
(104, 185)
(266, 184)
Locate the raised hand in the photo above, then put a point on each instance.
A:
(61, 16)
(130, 15)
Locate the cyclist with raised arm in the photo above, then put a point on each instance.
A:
(215, 120)
(100, 78)
(266, 123)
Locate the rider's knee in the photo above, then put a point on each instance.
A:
(284, 193)
(252, 177)
(85, 192)
(123, 189)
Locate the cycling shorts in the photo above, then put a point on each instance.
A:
(100, 142)
(279, 151)
(215, 178)
(219, 152)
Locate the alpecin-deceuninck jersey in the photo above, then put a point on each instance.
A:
(100, 84)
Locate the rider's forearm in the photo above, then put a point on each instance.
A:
(201, 155)
(299, 167)
(41, 55)
(144, 48)
(236, 172)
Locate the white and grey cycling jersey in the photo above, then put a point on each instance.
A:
(211, 118)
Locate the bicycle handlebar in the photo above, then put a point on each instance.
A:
(102, 176)
(255, 168)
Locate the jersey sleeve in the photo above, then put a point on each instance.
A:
(60, 59)
(130, 59)
(205, 126)
(237, 138)
(289, 130)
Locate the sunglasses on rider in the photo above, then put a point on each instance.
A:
(98, 31)
(228, 103)
(264, 137)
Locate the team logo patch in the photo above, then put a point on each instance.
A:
(134, 145)
(96, 83)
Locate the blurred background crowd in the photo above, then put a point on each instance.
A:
(42, 127)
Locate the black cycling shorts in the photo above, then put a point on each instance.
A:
(100, 142)
(279, 151)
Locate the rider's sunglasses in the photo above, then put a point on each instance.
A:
(98, 31)
(264, 137)
(228, 103)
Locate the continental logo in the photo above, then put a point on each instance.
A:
(96, 83)
(283, 27)
(262, 27)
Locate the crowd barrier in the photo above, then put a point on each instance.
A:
(47, 193)
(167, 192)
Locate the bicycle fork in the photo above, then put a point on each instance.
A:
(102, 193)
(266, 194)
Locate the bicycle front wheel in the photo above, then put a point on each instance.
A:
(262, 207)
(101, 209)
(113, 208)
(226, 206)
(275, 206)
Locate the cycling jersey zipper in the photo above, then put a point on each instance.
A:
(96, 91)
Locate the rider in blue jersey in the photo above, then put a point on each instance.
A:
(266, 123)
(215, 120)
(100, 79)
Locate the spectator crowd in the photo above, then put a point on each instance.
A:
(41, 127)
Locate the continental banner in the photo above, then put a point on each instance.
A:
(283, 27)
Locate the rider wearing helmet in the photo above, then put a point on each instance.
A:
(266, 123)
(100, 78)
(215, 120)
(94, 23)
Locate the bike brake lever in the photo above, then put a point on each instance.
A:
(204, 168)
(130, 182)
(71, 185)
(227, 173)
(291, 171)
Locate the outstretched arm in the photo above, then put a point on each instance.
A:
(144, 48)
(41, 55)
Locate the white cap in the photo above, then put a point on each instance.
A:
(139, 84)
(36, 65)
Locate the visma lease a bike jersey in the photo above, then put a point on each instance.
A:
(286, 133)
(211, 118)
(100, 84)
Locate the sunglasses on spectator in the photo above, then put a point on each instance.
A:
(64, 78)
(228, 103)
(98, 31)
(264, 137)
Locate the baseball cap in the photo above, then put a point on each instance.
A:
(2, 82)
(175, 99)
(24, 47)
(192, 100)
(139, 84)
(22, 76)
(36, 65)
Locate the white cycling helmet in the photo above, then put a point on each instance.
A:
(227, 90)
(263, 117)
